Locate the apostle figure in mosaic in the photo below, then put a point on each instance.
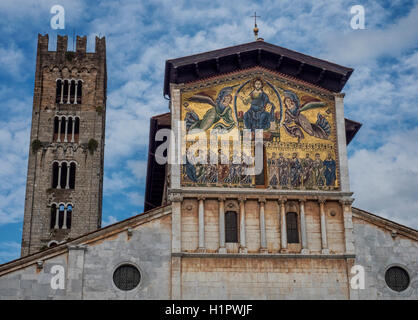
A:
(295, 171)
(211, 171)
(329, 171)
(283, 167)
(273, 170)
(256, 117)
(318, 171)
(308, 178)
(246, 178)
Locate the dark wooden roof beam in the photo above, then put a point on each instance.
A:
(321, 76)
(300, 68)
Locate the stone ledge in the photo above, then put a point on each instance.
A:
(263, 255)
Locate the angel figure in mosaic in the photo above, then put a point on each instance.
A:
(295, 123)
(220, 111)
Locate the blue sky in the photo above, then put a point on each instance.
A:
(382, 93)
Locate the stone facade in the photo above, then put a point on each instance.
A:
(146, 242)
(86, 197)
(287, 243)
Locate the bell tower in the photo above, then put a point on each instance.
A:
(65, 167)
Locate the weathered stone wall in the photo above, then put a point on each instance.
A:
(264, 278)
(86, 198)
(89, 267)
(377, 250)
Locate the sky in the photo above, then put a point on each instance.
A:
(382, 93)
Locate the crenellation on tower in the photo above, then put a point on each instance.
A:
(81, 44)
(65, 175)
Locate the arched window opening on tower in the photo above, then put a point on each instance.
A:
(61, 216)
(63, 175)
(231, 226)
(69, 91)
(292, 227)
(68, 128)
(58, 91)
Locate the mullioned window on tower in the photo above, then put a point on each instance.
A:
(66, 129)
(63, 174)
(69, 91)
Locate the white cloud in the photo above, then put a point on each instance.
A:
(109, 220)
(363, 46)
(385, 180)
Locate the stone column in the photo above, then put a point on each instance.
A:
(341, 140)
(304, 237)
(62, 92)
(176, 200)
(222, 248)
(66, 130)
(67, 185)
(242, 239)
(64, 225)
(201, 247)
(59, 176)
(72, 129)
(263, 241)
(283, 225)
(75, 94)
(57, 216)
(59, 129)
(175, 139)
(348, 225)
(75, 271)
(324, 239)
(69, 91)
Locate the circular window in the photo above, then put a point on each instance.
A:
(126, 277)
(397, 279)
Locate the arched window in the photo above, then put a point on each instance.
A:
(63, 175)
(72, 175)
(55, 173)
(76, 128)
(292, 227)
(231, 226)
(53, 216)
(62, 129)
(58, 91)
(79, 91)
(64, 172)
(65, 92)
(72, 91)
(56, 122)
(61, 216)
(67, 127)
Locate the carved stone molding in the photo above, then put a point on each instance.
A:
(175, 197)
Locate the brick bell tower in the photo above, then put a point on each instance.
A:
(64, 185)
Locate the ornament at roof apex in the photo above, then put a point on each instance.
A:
(256, 27)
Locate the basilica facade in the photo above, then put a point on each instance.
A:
(247, 194)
